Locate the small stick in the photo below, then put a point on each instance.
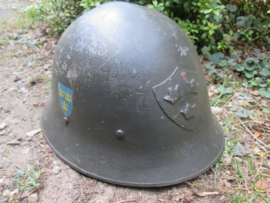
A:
(123, 201)
(250, 132)
(261, 146)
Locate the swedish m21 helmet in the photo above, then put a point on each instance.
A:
(129, 102)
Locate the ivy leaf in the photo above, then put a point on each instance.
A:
(249, 21)
(206, 51)
(241, 21)
(236, 54)
(239, 68)
(250, 63)
(223, 63)
(263, 84)
(216, 58)
(259, 54)
(231, 61)
(233, 109)
(244, 113)
(265, 72)
(210, 66)
(220, 74)
(250, 74)
(265, 92)
(224, 90)
(231, 7)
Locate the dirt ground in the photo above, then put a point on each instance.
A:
(29, 169)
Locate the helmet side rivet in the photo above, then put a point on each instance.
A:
(66, 120)
(119, 133)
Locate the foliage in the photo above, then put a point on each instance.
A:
(89, 4)
(57, 14)
(217, 24)
(214, 24)
(255, 71)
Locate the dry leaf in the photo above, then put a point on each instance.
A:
(262, 185)
(216, 110)
(257, 134)
(26, 193)
(227, 184)
(246, 103)
(203, 194)
(227, 159)
(32, 133)
(261, 153)
(13, 142)
(256, 150)
(25, 151)
(2, 126)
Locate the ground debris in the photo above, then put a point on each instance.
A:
(13, 142)
(33, 198)
(33, 132)
(203, 194)
(262, 186)
(56, 169)
(2, 126)
(239, 150)
(6, 193)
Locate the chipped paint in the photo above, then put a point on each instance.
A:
(184, 75)
(72, 73)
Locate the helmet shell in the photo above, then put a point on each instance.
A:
(129, 102)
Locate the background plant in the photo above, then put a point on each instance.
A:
(57, 14)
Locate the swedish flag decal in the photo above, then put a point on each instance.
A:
(65, 99)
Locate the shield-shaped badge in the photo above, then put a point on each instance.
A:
(65, 99)
(179, 99)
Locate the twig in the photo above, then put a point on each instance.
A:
(75, 197)
(18, 166)
(250, 132)
(225, 105)
(123, 201)
(261, 146)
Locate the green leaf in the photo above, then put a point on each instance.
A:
(265, 72)
(239, 68)
(223, 63)
(244, 113)
(206, 51)
(231, 7)
(204, 35)
(220, 74)
(266, 111)
(265, 92)
(210, 66)
(250, 63)
(224, 90)
(236, 53)
(241, 21)
(216, 58)
(248, 22)
(250, 74)
(259, 54)
(216, 12)
(233, 109)
(263, 84)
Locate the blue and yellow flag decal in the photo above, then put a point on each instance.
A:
(65, 99)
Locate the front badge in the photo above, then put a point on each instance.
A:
(179, 99)
(65, 99)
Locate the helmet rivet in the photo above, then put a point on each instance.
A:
(119, 133)
(66, 120)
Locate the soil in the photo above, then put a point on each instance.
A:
(25, 73)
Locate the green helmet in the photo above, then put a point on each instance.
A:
(129, 102)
